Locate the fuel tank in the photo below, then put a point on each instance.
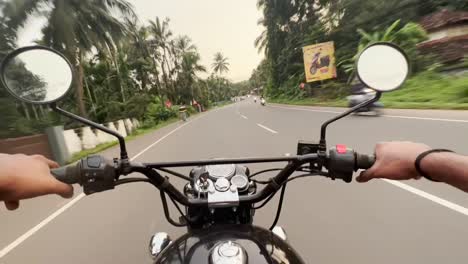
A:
(233, 244)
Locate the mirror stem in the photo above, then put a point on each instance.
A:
(323, 131)
(123, 149)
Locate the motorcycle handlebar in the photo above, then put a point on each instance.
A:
(364, 162)
(69, 174)
(96, 174)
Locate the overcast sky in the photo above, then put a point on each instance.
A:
(228, 26)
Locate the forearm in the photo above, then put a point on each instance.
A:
(450, 168)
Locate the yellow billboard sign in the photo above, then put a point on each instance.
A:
(319, 61)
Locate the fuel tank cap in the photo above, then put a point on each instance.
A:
(228, 252)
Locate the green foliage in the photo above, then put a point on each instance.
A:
(351, 24)
(125, 69)
(431, 89)
(157, 112)
(426, 90)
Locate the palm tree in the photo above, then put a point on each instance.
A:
(162, 36)
(190, 66)
(220, 64)
(74, 27)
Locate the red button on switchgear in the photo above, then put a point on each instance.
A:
(341, 149)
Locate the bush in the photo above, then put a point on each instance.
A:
(331, 90)
(158, 112)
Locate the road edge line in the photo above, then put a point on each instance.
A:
(389, 116)
(62, 209)
(431, 197)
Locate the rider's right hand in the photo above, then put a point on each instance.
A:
(394, 161)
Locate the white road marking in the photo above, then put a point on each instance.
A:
(435, 199)
(428, 118)
(305, 109)
(51, 217)
(390, 116)
(268, 129)
(423, 194)
(243, 116)
(44, 222)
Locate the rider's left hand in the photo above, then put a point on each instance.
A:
(23, 177)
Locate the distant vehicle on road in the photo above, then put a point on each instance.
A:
(360, 93)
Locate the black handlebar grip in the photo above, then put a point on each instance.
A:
(69, 174)
(364, 162)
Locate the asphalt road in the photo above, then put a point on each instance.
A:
(326, 221)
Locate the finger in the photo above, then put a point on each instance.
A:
(369, 174)
(363, 177)
(12, 205)
(52, 164)
(62, 189)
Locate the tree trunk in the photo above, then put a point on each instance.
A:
(88, 91)
(26, 112)
(119, 77)
(41, 109)
(35, 112)
(79, 85)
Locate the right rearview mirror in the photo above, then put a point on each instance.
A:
(383, 67)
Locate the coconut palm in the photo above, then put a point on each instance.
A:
(74, 27)
(220, 64)
(190, 66)
(162, 35)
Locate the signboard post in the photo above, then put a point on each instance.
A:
(319, 61)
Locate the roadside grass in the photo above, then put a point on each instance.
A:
(427, 90)
(310, 101)
(134, 135)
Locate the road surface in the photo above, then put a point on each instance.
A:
(327, 221)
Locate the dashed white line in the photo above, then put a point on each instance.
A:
(435, 199)
(390, 116)
(267, 128)
(243, 116)
(51, 217)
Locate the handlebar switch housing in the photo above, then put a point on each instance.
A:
(97, 174)
(341, 163)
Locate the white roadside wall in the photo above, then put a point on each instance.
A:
(83, 138)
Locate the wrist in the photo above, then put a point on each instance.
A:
(430, 164)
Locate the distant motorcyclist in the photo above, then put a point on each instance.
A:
(262, 101)
(361, 93)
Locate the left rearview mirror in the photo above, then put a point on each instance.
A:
(36, 75)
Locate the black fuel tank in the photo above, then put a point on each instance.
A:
(260, 246)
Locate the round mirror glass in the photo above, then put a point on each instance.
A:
(37, 75)
(382, 67)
